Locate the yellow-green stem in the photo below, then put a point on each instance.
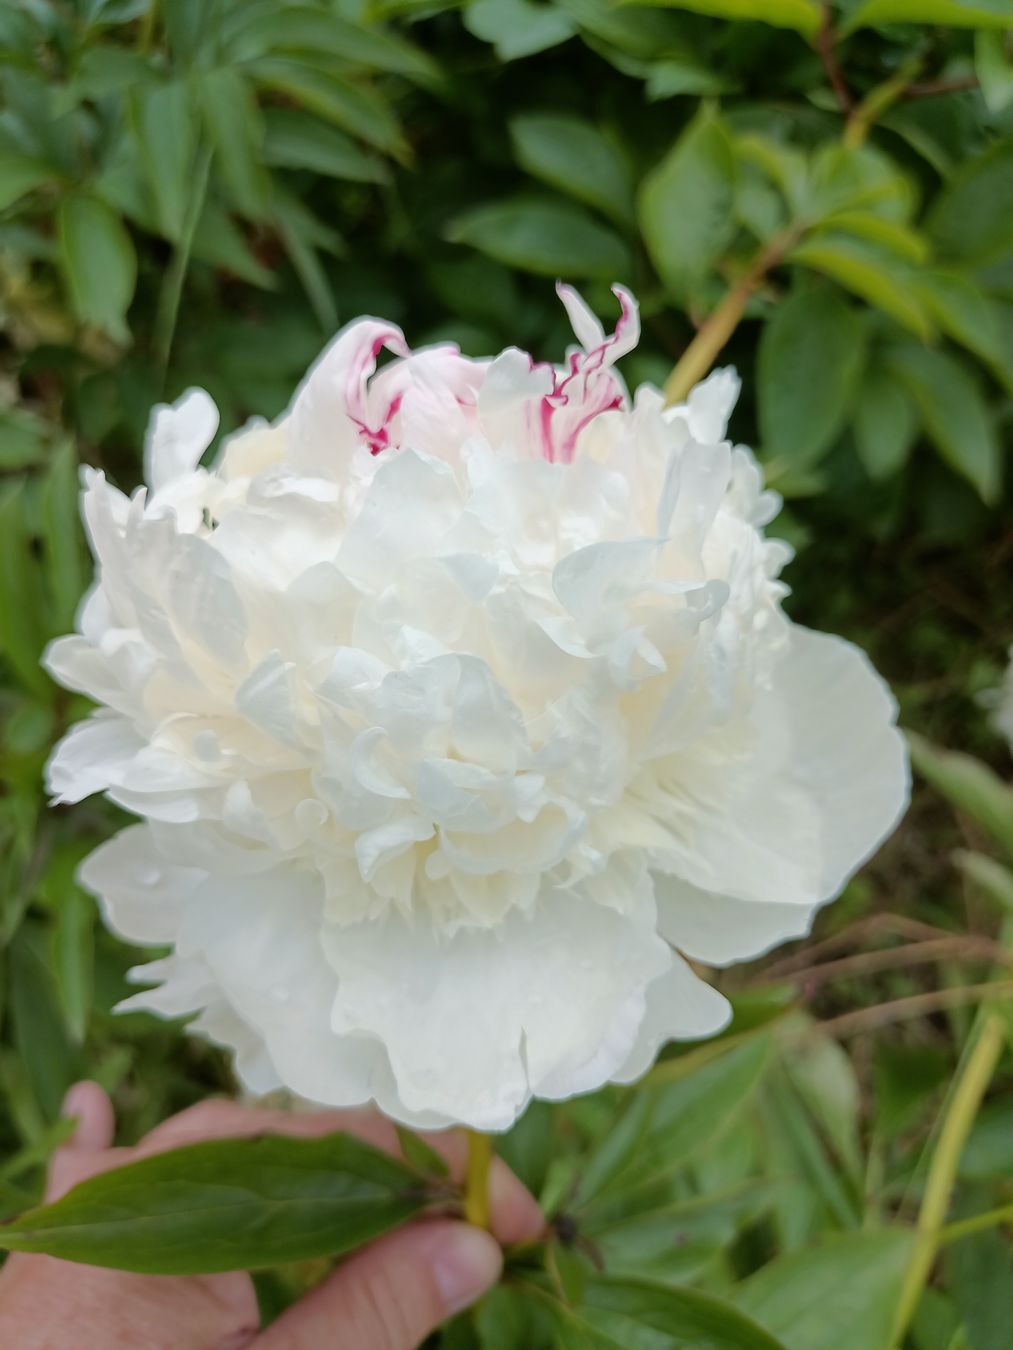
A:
(959, 1118)
(977, 1223)
(476, 1188)
(721, 323)
(876, 103)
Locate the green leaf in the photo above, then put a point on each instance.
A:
(620, 1314)
(65, 569)
(297, 28)
(885, 423)
(891, 234)
(550, 237)
(302, 234)
(963, 312)
(355, 108)
(954, 413)
(972, 218)
(165, 132)
(993, 65)
(22, 602)
(295, 140)
(969, 785)
(517, 27)
(664, 1127)
(420, 1155)
(99, 263)
(686, 204)
(868, 273)
(809, 358)
(236, 131)
(989, 876)
(955, 13)
(836, 1296)
(19, 175)
(228, 1204)
(802, 15)
(575, 156)
(219, 242)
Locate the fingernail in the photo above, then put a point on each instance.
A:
(89, 1106)
(466, 1263)
(75, 1103)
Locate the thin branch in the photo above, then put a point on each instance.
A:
(826, 48)
(929, 88)
(890, 925)
(918, 1005)
(911, 954)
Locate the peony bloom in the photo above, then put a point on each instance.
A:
(459, 708)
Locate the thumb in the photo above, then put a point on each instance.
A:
(394, 1293)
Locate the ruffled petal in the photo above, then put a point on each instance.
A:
(178, 435)
(474, 1025)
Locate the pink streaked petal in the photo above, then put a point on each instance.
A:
(331, 409)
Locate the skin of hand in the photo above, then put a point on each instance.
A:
(389, 1296)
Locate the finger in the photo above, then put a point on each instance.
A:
(515, 1213)
(87, 1151)
(89, 1105)
(392, 1295)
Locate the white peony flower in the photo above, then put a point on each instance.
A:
(459, 708)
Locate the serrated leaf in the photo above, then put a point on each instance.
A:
(808, 362)
(837, 1296)
(970, 785)
(552, 238)
(687, 203)
(954, 413)
(235, 129)
(228, 1204)
(868, 273)
(885, 423)
(802, 15)
(295, 140)
(575, 156)
(99, 264)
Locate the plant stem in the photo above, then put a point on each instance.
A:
(175, 274)
(877, 101)
(960, 1115)
(977, 1223)
(722, 322)
(476, 1191)
(826, 42)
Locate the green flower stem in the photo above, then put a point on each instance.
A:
(977, 1223)
(476, 1189)
(963, 1108)
(877, 101)
(722, 322)
(175, 274)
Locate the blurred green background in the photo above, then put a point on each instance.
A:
(202, 191)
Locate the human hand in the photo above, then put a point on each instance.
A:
(389, 1296)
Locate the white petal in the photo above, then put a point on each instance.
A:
(718, 929)
(93, 755)
(178, 435)
(475, 1024)
(142, 893)
(679, 1007)
(787, 815)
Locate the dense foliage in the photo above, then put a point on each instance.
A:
(201, 191)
